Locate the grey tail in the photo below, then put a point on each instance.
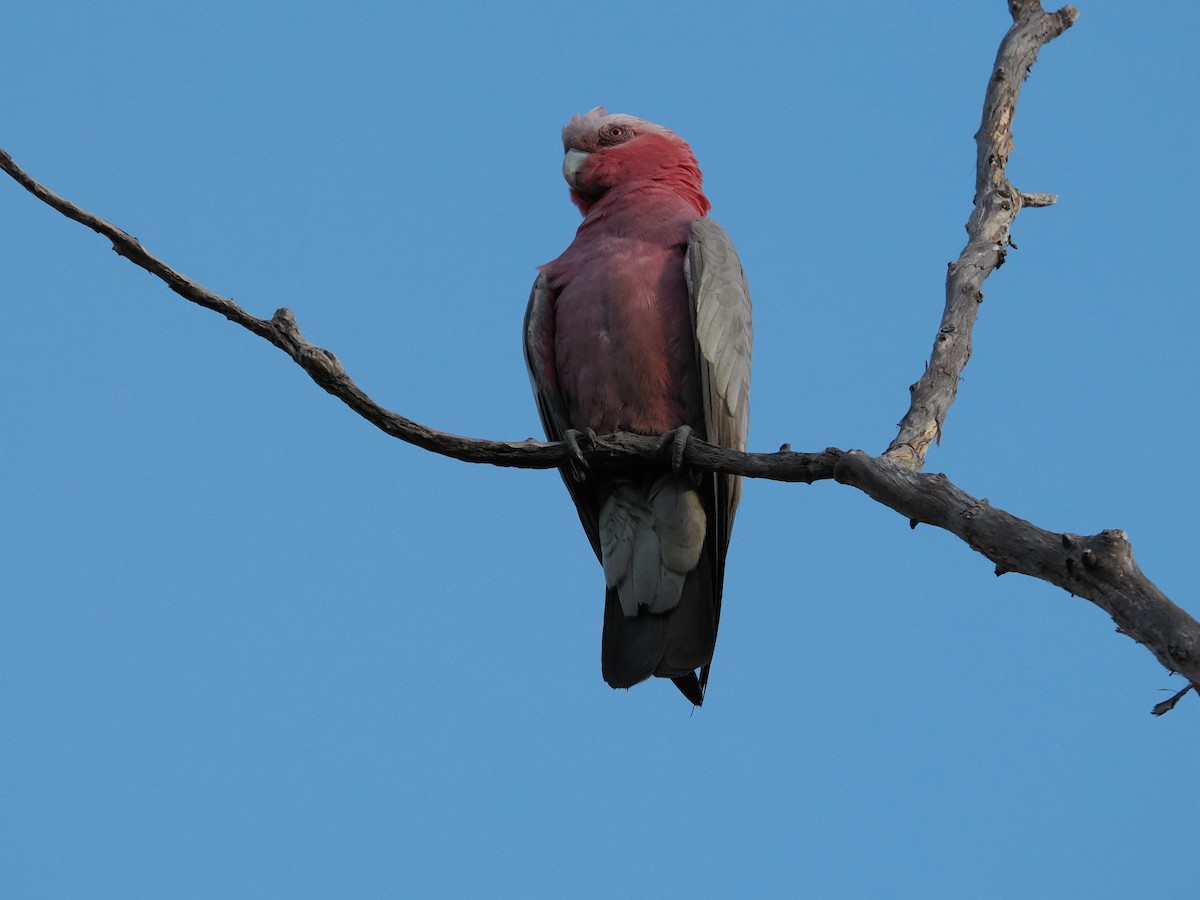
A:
(671, 645)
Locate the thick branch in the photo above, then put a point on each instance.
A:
(1100, 568)
(996, 206)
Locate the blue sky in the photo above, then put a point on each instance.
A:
(251, 647)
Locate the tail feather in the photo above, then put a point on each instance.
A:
(631, 646)
(691, 626)
(692, 687)
(662, 547)
(670, 645)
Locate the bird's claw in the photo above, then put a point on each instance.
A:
(678, 439)
(578, 462)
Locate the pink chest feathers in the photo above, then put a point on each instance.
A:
(624, 347)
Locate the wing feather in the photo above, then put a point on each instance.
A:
(724, 337)
(724, 332)
(543, 375)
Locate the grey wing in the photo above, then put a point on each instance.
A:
(724, 336)
(543, 375)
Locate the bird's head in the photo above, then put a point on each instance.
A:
(605, 150)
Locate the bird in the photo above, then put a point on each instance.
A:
(643, 325)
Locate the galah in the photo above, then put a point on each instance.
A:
(643, 325)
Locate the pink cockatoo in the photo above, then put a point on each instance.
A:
(643, 325)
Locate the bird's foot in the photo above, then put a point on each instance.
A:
(678, 439)
(578, 462)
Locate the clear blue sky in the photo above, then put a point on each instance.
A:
(251, 647)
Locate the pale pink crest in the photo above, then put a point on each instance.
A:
(583, 130)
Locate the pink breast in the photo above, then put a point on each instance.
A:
(624, 348)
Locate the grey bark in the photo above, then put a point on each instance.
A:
(996, 206)
(1100, 567)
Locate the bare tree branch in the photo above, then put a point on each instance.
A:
(996, 206)
(1100, 567)
(281, 330)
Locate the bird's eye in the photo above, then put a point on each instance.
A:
(615, 134)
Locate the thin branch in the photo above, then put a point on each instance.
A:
(1100, 568)
(281, 330)
(996, 206)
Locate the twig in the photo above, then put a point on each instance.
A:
(1161, 709)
